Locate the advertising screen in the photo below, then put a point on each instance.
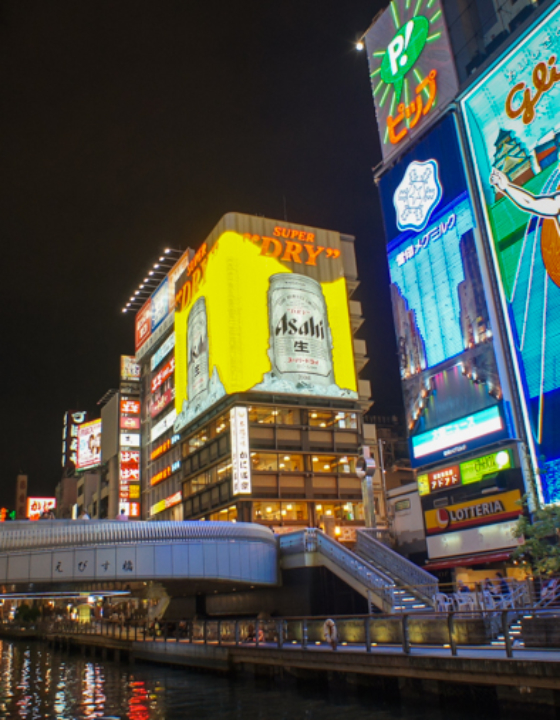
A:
(89, 445)
(411, 68)
(160, 304)
(512, 119)
(37, 506)
(130, 369)
(447, 362)
(72, 421)
(262, 307)
(162, 352)
(471, 471)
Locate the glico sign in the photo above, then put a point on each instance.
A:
(511, 117)
(411, 67)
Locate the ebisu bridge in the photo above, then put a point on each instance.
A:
(214, 559)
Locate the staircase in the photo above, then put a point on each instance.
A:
(515, 635)
(389, 584)
(416, 587)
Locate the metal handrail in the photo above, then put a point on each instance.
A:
(358, 632)
(406, 573)
(18, 536)
(313, 540)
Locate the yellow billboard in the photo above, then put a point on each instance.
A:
(262, 307)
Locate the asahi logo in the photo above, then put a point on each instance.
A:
(308, 328)
(300, 340)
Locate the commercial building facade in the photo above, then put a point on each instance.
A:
(472, 387)
(251, 406)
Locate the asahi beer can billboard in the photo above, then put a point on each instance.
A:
(262, 307)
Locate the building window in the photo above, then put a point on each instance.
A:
(195, 442)
(288, 416)
(340, 511)
(262, 415)
(290, 463)
(294, 511)
(346, 421)
(346, 465)
(222, 424)
(321, 419)
(223, 471)
(264, 461)
(324, 463)
(285, 512)
(267, 511)
(226, 514)
(285, 462)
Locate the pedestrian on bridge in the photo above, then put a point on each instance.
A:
(330, 634)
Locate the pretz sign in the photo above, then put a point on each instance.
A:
(411, 67)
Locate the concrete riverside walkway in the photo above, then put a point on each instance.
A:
(535, 669)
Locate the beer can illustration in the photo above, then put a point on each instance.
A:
(300, 338)
(197, 350)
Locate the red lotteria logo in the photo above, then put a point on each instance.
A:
(442, 518)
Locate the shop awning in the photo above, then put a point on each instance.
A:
(481, 559)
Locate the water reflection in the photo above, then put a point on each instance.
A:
(37, 683)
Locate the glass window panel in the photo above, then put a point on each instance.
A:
(225, 514)
(346, 465)
(222, 424)
(195, 442)
(262, 415)
(346, 421)
(266, 511)
(264, 461)
(324, 463)
(321, 419)
(294, 511)
(223, 471)
(288, 416)
(328, 509)
(290, 462)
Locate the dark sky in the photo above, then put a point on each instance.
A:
(132, 125)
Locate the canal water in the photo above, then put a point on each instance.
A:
(38, 683)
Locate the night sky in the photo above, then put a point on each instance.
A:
(129, 126)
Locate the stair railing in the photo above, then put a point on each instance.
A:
(416, 580)
(373, 579)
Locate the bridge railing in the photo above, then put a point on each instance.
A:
(20, 536)
(442, 632)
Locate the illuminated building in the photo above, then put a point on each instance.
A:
(474, 299)
(250, 402)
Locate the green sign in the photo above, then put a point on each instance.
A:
(476, 470)
(403, 51)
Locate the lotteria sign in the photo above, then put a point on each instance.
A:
(482, 511)
(411, 67)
